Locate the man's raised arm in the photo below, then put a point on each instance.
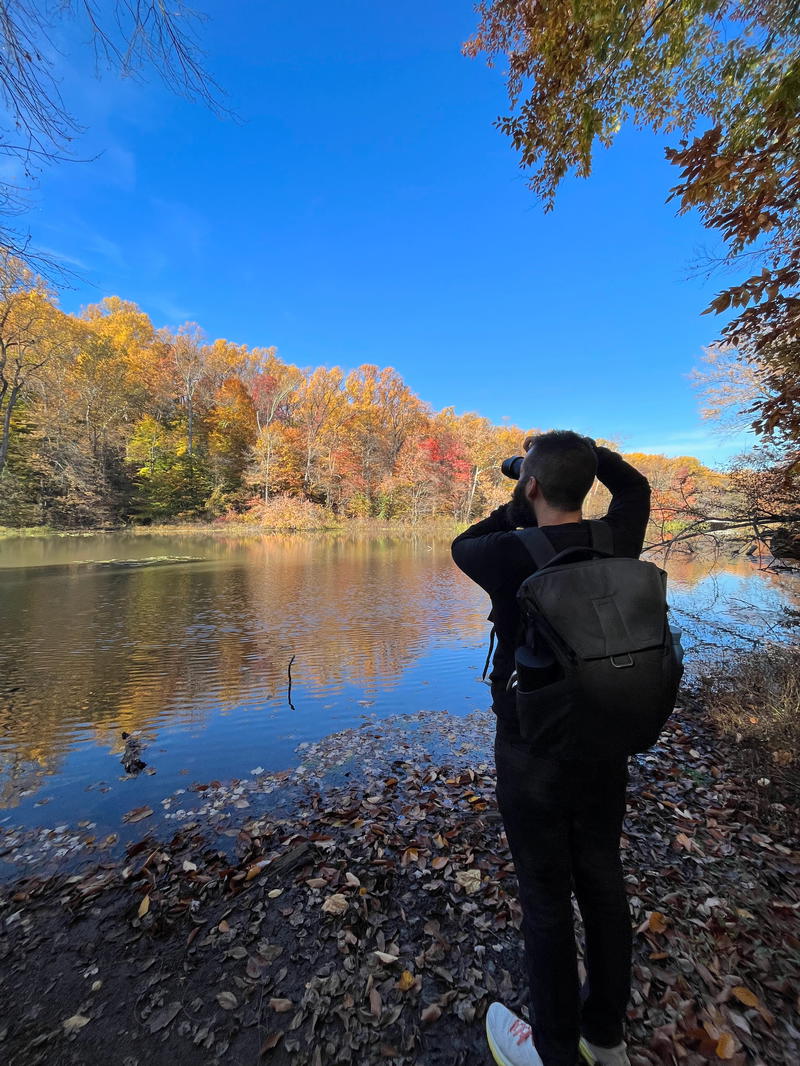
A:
(475, 552)
(629, 510)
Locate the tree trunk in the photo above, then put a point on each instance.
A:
(471, 494)
(5, 435)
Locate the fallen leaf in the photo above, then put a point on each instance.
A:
(375, 1002)
(384, 956)
(161, 1019)
(144, 906)
(336, 904)
(280, 1006)
(656, 923)
(137, 814)
(76, 1022)
(750, 999)
(470, 880)
(406, 981)
(227, 1000)
(254, 870)
(726, 1046)
(432, 1013)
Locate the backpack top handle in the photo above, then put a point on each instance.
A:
(544, 554)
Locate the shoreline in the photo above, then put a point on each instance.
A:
(345, 526)
(376, 920)
(337, 527)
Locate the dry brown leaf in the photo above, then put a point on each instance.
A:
(750, 999)
(280, 1006)
(137, 814)
(384, 956)
(726, 1046)
(432, 1013)
(656, 923)
(406, 981)
(144, 906)
(744, 995)
(227, 1000)
(440, 862)
(254, 870)
(224, 927)
(335, 904)
(271, 1041)
(470, 880)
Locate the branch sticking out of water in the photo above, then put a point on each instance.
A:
(289, 691)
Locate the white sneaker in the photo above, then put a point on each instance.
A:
(604, 1056)
(509, 1038)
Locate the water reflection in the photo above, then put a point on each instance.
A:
(195, 654)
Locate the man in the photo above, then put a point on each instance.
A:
(563, 819)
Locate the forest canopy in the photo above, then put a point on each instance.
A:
(105, 418)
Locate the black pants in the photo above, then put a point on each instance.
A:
(563, 822)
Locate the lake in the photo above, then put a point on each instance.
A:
(188, 640)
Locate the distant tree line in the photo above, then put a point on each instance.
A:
(105, 419)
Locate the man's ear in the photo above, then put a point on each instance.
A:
(532, 488)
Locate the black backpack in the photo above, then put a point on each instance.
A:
(598, 666)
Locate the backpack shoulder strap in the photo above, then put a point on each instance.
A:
(539, 547)
(602, 537)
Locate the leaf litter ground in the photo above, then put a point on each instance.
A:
(362, 909)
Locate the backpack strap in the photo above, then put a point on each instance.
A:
(488, 657)
(602, 537)
(537, 544)
(543, 553)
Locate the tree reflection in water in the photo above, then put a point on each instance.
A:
(87, 653)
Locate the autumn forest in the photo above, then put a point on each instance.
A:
(108, 419)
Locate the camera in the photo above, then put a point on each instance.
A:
(512, 467)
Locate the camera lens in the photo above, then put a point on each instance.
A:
(512, 467)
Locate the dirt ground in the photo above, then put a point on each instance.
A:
(376, 920)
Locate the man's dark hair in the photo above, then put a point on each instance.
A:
(564, 464)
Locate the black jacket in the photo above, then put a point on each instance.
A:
(495, 558)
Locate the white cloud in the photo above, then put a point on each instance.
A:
(704, 444)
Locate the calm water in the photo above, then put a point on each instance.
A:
(192, 647)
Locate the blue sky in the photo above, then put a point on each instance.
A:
(362, 208)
